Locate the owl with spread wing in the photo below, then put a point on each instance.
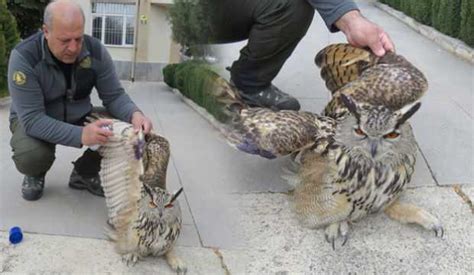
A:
(144, 218)
(359, 155)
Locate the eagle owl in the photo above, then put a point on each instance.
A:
(144, 218)
(358, 156)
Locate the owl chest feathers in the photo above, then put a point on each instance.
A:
(157, 231)
(367, 184)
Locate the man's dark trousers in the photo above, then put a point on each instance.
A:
(273, 27)
(34, 157)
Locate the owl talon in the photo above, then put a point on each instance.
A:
(130, 259)
(336, 230)
(345, 238)
(175, 262)
(439, 231)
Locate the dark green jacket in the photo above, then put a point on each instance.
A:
(40, 100)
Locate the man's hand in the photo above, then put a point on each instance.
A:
(139, 121)
(360, 32)
(93, 133)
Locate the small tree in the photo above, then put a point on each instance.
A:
(31, 14)
(8, 39)
(191, 24)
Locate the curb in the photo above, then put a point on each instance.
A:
(5, 101)
(201, 111)
(450, 44)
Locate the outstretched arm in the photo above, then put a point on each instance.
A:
(360, 32)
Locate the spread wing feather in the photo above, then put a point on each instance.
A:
(120, 174)
(272, 134)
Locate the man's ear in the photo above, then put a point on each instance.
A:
(45, 31)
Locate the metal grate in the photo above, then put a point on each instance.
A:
(113, 24)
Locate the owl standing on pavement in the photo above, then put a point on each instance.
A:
(144, 218)
(358, 156)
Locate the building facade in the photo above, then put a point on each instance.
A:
(136, 33)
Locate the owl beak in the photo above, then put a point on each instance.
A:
(373, 148)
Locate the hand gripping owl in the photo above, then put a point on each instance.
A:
(144, 218)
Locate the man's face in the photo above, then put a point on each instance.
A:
(65, 38)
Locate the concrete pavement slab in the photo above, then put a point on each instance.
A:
(279, 244)
(43, 254)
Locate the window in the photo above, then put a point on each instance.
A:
(113, 24)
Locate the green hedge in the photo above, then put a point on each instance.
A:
(196, 80)
(8, 39)
(467, 22)
(452, 17)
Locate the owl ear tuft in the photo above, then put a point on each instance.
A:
(406, 112)
(350, 104)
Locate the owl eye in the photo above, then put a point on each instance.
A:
(391, 135)
(359, 131)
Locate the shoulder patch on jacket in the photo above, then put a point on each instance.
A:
(19, 78)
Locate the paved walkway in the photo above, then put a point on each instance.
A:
(236, 207)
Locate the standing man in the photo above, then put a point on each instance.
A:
(51, 75)
(273, 29)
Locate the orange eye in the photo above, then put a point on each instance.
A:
(391, 135)
(359, 132)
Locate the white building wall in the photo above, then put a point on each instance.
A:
(159, 40)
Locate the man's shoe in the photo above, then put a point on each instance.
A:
(92, 185)
(270, 97)
(32, 188)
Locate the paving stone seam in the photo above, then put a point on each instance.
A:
(465, 198)
(187, 203)
(453, 45)
(425, 159)
(221, 259)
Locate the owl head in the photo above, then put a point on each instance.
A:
(160, 199)
(374, 130)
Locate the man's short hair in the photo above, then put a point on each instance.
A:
(48, 14)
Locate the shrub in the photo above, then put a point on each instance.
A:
(8, 39)
(466, 32)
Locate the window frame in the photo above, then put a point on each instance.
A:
(124, 17)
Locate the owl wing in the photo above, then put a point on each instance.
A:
(121, 168)
(272, 134)
(390, 80)
(156, 156)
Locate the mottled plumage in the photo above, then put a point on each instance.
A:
(390, 80)
(359, 156)
(144, 217)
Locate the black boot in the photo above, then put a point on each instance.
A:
(32, 187)
(91, 184)
(270, 97)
